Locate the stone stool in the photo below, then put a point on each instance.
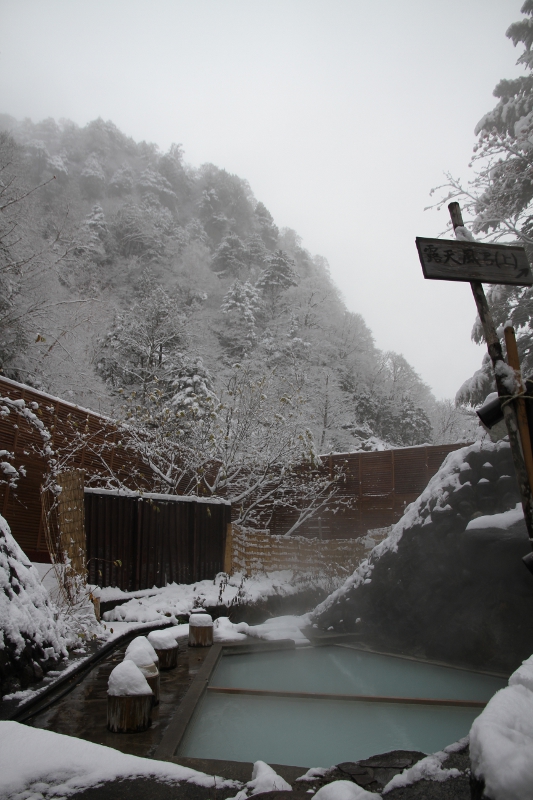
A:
(142, 659)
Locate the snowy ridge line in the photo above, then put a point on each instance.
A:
(187, 498)
(73, 676)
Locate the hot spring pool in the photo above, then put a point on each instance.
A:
(240, 725)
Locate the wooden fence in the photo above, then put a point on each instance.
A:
(376, 486)
(251, 551)
(101, 449)
(136, 542)
(376, 489)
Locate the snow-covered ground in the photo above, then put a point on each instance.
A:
(178, 600)
(39, 764)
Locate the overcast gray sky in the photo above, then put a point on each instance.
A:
(342, 115)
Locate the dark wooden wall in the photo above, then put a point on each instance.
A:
(156, 539)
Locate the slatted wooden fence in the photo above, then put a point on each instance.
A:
(103, 450)
(377, 487)
(136, 542)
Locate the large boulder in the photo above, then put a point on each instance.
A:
(449, 583)
(32, 638)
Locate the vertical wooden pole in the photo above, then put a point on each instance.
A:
(496, 354)
(521, 414)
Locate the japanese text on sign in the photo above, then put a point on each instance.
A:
(467, 261)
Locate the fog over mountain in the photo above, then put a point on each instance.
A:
(130, 275)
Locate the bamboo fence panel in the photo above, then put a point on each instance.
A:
(250, 552)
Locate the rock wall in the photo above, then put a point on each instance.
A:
(436, 589)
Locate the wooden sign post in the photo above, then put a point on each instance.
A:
(466, 260)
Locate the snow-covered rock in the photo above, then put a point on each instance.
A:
(285, 627)
(265, 779)
(344, 790)
(501, 740)
(448, 583)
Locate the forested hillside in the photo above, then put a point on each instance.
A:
(135, 284)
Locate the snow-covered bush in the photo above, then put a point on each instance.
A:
(33, 638)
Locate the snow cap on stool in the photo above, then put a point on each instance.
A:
(127, 680)
(162, 640)
(200, 620)
(141, 652)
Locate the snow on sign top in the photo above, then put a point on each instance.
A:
(452, 260)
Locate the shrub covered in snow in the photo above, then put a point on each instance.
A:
(32, 639)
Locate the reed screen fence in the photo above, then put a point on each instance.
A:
(250, 552)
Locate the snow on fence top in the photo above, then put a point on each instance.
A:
(173, 498)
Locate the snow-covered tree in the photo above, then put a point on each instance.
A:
(142, 230)
(193, 388)
(92, 178)
(499, 198)
(452, 423)
(230, 258)
(143, 350)
(278, 276)
(152, 182)
(121, 181)
(268, 230)
(239, 307)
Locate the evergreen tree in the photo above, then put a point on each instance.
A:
(278, 276)
(230, 259)
(268, 230)
(194, 396)
(92, 178)
(240, 307)
(499, 200)
(143, 350)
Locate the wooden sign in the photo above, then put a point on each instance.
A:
(454, 260)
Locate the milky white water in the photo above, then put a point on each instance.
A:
(322, 732)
